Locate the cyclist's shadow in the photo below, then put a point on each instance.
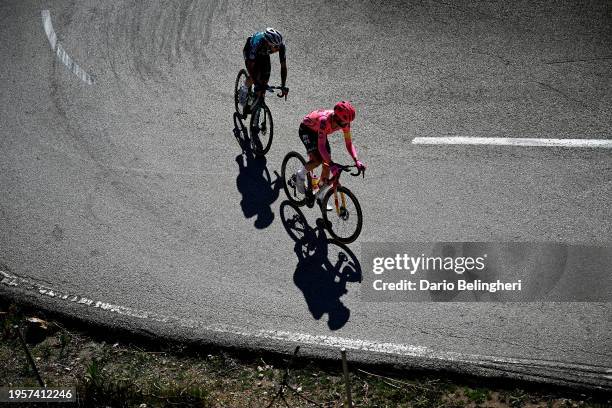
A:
(258, 190)
(324, 267)
(241, 134)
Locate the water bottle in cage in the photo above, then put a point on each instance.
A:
(314, 181)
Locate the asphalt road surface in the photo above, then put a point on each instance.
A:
(125, 198)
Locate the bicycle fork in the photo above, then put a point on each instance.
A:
(258, 106)
(339, 210)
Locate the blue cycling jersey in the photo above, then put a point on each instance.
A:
(258, 46)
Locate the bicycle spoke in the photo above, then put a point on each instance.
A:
(291, 164)
(261, 127)
(240, 81)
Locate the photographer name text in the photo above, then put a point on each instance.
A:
(460, 285)
(433, 264)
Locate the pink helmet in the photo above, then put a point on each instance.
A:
(344, 111)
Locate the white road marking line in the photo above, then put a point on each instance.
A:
(414, 351)
(59, 50)
(516, 365)
(513, 141)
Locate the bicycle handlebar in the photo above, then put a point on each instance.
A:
(280, 95)
(348, 168)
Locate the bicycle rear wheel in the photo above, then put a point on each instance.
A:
(344, 222)
(240, 81)
(262, 129)
(294, 221)
(292, 162)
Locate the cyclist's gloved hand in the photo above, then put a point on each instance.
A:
(360, 165)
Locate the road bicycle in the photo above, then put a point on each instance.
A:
(345, 219)
(261, 126)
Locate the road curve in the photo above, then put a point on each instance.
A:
(125, 199)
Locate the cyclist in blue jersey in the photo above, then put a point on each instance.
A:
(256, 53)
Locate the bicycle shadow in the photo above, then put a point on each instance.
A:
(254, 182)
(324, 267)
(258, 190)
(241, 134)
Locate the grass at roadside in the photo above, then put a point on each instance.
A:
(111, 371)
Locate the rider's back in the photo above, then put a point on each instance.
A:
(319, 120)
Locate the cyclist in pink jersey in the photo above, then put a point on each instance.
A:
(314, 129)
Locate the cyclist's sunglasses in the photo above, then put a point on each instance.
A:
(341, 124)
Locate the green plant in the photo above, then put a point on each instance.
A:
(10, 321)
(517, 398)
(64, 339)
(93, 373)
(478, 395)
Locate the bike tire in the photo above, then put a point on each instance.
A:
(333, 221)
(262, 125)
(296, 226)
(240, 132)
(239, 81)
(290, 165)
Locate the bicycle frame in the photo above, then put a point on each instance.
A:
(260, 100)
(345, 224)
(334, 183)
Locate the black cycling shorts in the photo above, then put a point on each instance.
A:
(310, 138)
(262, 63)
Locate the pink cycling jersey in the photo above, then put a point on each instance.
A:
(320, 122)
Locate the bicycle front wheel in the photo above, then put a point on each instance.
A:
(262, 130)
(345, 220)
(292, 162)
(240, 81)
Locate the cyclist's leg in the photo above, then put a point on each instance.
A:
(323, 180)
(308, 138)
(245, 54)
(325, 171)
(314, 161)
(264, 76)
(261, 74)
(317, 160)
(262, 64)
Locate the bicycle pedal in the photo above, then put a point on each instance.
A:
(291, 183)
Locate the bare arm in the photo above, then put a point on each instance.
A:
(283, 73)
